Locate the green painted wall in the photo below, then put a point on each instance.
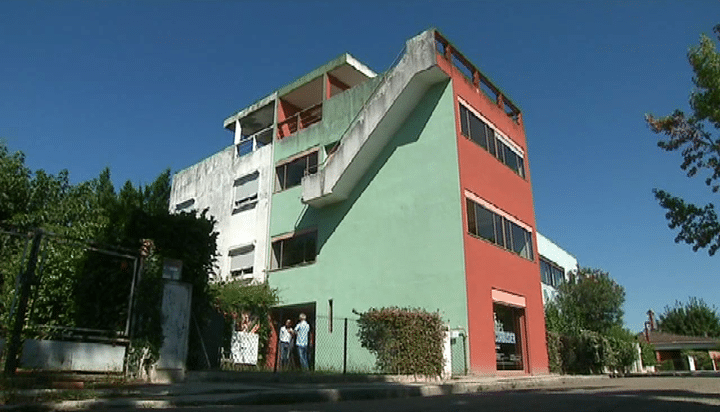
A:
(338, 112)
(397, 241)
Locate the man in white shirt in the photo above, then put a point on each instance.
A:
(302, 334)
(286, 333)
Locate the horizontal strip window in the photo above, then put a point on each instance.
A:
(481, 133)
(290, 174)
(550, 273)
(499, 230)
(295, 250)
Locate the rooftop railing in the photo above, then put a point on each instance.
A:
(474, 76)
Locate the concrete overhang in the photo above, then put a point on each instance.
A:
(385, 111)
(229, 123)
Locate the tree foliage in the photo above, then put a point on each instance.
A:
(692, 318)
(692, 135)
(80, 287)
(584, 323)
(590, 300)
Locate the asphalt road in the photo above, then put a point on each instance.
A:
(656, 394)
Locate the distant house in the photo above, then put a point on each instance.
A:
(670, 347)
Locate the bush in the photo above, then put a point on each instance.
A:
(404, 340)
(647, 352)
(588, 352)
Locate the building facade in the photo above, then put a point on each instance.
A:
(348, 190)
(556, 265)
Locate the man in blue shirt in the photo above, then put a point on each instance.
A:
(302, 334)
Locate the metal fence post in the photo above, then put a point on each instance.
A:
(345, 346)
(23, 294)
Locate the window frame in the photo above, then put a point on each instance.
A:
(495, 143)
(277, 262)
(505, 228)
(309, 169)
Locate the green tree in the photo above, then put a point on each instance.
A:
(692, 135)
(591, 300)
(692, 318)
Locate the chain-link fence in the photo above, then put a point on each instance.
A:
(333, 346)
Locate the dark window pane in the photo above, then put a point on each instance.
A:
(245, 147)
(545, 273)
(295, 172)
(464, 121)
(472, 222)
(312, 163)
(477, 131)
(508, 234)
(492, 143)
(499, 233)
(485, 223)
(558, 276)
(510, 158)
(500, 150)
(295, 250)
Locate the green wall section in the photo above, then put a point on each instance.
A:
(397, 241)
(338, 112)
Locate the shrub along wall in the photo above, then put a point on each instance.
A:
(404, 340)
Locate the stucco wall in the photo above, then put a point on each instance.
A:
(210, 184)
(398, 239)
(490, 268)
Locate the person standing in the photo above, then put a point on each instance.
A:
(302, 334)
(286, 335)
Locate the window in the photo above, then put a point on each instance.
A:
(550, 273)
(508, 337)
(246, 191)
(185, 206)
(290, 174)
(295, 250)
(242, 260)
(499, 230)
(484, 135)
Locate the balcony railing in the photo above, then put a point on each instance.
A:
(300, 120)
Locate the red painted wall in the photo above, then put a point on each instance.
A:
(488, 266)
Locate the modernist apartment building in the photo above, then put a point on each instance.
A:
(348, 190)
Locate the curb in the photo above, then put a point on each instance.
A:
(371, 391)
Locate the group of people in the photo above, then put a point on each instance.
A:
(301, 335)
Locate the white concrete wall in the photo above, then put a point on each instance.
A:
(558, 255)
(210, 184)
(52, 355)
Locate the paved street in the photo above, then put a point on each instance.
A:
(621, 394)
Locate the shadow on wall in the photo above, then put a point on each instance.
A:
(331, 216)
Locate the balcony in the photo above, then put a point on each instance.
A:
(300, 120)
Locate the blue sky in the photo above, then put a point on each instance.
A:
(144, 86)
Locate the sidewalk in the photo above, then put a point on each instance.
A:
(240, 388)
